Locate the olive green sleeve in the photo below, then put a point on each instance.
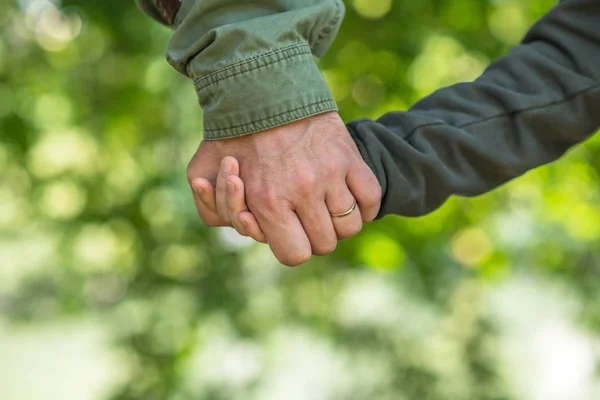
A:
(252, 62)
(526, 110)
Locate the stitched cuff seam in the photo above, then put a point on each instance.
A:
(272, 121)
(251, 64)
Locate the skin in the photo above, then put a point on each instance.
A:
(293, 178)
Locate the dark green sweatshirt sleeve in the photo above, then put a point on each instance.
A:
(251, 61)
(527, 109)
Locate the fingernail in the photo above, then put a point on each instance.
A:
(227, 167)
(199, 191)
(244, 224)
(230, 187)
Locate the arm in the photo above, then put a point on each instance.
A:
(251, 62)
(526, 110)
(253, 68)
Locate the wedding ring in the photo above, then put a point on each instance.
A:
(345, 213)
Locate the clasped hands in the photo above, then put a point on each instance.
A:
(285, 186)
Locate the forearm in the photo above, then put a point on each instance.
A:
(252, 62)
(527, 109)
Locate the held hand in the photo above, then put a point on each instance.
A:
(295, 177)
(230, 199)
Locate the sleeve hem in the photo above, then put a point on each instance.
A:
(263, 92)
(362, 149)
(251, 64)
(271, 122)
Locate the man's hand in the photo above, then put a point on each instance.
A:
(295, 177)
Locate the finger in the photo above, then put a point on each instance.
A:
(317, 224)
(236, 205)
(247, 219)
(366, 189)
(340, 200)
(205, 191)
(284, 234)
(208, 216)
(229, 166)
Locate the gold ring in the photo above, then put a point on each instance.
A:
(345, 213)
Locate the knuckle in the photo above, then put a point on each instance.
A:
(331, 167)
(270, 203)
(264, 197)
(253, 191)
(306, 182)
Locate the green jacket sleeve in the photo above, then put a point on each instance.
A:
(526, 110)
(251, 61)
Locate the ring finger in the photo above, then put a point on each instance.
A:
(341, 201)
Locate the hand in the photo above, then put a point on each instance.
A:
(295, 176)
(233, 200)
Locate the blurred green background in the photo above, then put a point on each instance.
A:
(110, 288)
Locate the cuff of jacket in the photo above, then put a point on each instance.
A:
(270, 90)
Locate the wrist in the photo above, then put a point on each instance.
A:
(281, 139)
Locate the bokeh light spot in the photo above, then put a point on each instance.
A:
(373, 9)
(471, 247)
(368, 91)
(508, 23)
(158, 206)
(381, 252)
(62, 200)
(178, 261)
(58, 152)
(53, 109)
(101, 248)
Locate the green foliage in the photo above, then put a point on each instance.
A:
(96, 218)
